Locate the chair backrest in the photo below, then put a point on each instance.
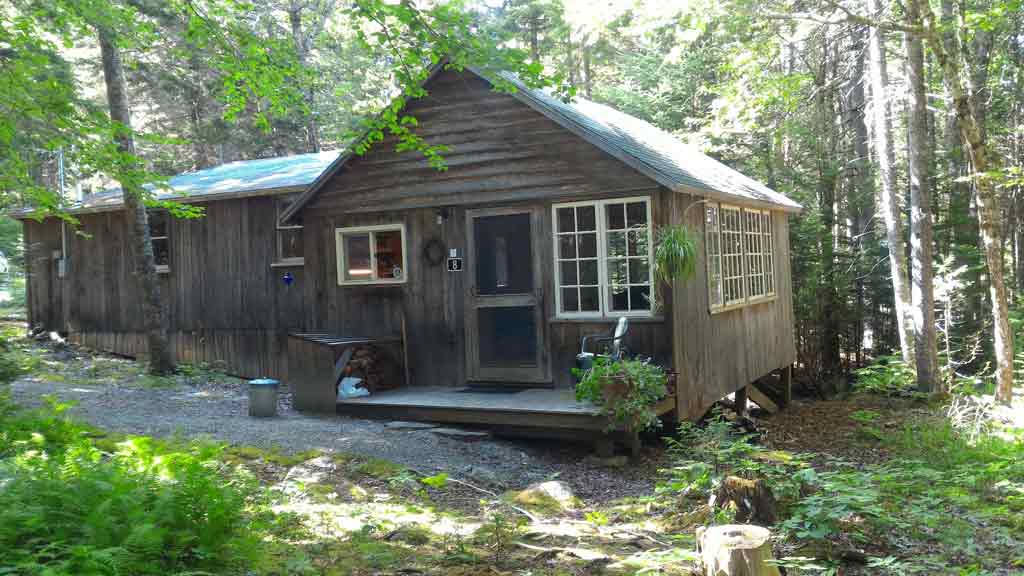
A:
(620, 333)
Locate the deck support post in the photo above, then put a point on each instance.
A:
(632, 438)
(786, 380)
(740, 398)
(604, 447)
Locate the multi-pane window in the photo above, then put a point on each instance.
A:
(731, 225)
(769, 253)
(371, 254)
(713, 246)
(740, 253)
(603, 257)
(755, 254)
(160, 239)
(289, 238)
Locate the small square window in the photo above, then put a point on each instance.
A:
(371, 255)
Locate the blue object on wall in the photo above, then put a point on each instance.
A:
(288, 278)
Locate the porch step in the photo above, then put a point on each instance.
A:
(403, 425)
(459, 434)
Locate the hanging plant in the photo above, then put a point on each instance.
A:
(675, 254)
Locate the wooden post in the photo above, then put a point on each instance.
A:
(741, 401)
(736, 550)
(604, 447)
(786, 380)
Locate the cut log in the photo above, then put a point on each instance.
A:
(753, 499)
(762, 399)
(736, 550)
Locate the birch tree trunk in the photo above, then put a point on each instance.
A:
(987, 199)
(154, 316)
(888, 204)
(918, 152)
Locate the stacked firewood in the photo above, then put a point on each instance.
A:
(374, 367)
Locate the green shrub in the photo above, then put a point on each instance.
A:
(887, 376)
(68, 508)
(626, 391)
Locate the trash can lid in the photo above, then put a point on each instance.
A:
(264, 382)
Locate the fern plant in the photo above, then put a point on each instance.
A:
(675, 254)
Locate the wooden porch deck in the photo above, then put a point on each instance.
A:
(515, 409)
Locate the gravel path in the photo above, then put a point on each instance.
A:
(220, 411)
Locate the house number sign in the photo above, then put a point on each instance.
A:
(454, 264)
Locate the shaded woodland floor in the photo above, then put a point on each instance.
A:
(866, 485)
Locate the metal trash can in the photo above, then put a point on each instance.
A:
(263, 397)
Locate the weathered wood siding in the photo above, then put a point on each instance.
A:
(225, 303)
(45, 292)
(720, 353)
(502, 153)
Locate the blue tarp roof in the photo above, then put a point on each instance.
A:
(234, 178)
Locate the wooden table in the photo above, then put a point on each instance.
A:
(316, 363)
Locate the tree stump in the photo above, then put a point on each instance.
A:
(753, 499)
(736, 550)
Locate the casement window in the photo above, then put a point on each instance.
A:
(288, 250)
(740, 254)
(603, 258)
(160, 239)
(371, 254)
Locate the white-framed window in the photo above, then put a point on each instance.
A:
(740, 252)
(731, 226)
(160, 239)
(603, 254)
(769, 253)
(371, 254)
(288, 249)
(713, 248)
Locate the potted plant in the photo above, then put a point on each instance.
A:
(626, 391)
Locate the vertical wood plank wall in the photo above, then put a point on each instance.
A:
(723, 352)
(226, 304)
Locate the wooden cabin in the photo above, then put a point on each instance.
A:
(221, 275)
(487, 274)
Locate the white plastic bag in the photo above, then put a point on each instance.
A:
(350, 388)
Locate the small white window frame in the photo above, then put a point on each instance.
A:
(279, 261)
(162, 268)
(602, 260)
(340, 233)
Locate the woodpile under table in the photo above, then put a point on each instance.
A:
(318, 362)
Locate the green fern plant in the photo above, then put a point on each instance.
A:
(675, 254)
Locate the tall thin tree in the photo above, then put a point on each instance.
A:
(888, 202)
(918, 154)
(154, 316)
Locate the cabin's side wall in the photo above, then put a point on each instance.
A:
(45, 293)
(501, 153)
(226, 305)
(725, 351)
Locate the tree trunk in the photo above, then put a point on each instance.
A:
(302, 51)
(988, 204)
(736, 550)
(918, 152)
(587, 79)
(154, 317)
(862, 236)
(827, 181)
(888, 203)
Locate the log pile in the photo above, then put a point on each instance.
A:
(376, 369)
